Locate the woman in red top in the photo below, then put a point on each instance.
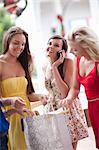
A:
(85, 45)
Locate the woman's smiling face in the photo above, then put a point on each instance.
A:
(54, 46)
(17, 45)
(76, 49)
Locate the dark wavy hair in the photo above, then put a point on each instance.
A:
(64, 47)
(25, 57)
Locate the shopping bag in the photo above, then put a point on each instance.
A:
(47, 132)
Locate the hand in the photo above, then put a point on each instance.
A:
(44, 99)
(20, 106)
(25, 111)
(28, 112)
(17, 102)
(65, 103)
(60, 60)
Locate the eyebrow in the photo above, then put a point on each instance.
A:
(18, 41)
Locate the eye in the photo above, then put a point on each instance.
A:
(75, 50)
(23, 44)
(56, 45)
(49, 43)
(15, 43)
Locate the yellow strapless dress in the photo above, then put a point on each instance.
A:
(16, 86)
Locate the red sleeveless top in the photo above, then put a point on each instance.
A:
(90, 82)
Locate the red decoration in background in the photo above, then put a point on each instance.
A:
(60, 18)
(11, 5)
(7, 2)
(12, 8)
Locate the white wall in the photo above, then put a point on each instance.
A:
(74, 10)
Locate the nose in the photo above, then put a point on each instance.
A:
(50, 45)
(19, 47)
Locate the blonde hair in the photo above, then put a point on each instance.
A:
(87, 40)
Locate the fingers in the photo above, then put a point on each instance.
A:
(21, 100)
(44, 99)
(64, 103)
(25, 112)
(20, 106)
(28, 112)
(19, 112)
(62, 56)
(18, 102)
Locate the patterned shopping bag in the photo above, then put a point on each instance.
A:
(47, 132)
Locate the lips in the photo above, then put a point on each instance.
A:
(47, 49)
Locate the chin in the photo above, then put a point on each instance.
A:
(48, 54)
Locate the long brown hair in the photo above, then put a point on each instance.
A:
(25, 57)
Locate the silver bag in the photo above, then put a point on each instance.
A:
(47, 132)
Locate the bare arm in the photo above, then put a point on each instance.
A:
(18, 106)
(75, 87)
(61, 84)
(64, 85)
(6, 101)
(19, 111)
(39, 98)
(33, 97)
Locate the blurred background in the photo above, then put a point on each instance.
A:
(42, 19)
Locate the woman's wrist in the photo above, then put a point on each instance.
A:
(12, 101)
(54, 68)
(54, 65)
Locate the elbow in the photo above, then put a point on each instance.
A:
(65, 92)
(75, 91)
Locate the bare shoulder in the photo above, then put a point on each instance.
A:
(2, 61)
(68, 62)
(2, 57)
(68, 70)
(68, 66)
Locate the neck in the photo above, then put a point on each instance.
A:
(52, 60)
(87, 56)
(87, 60)
(10, 59)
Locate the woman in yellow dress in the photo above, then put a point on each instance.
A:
(15, 80)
